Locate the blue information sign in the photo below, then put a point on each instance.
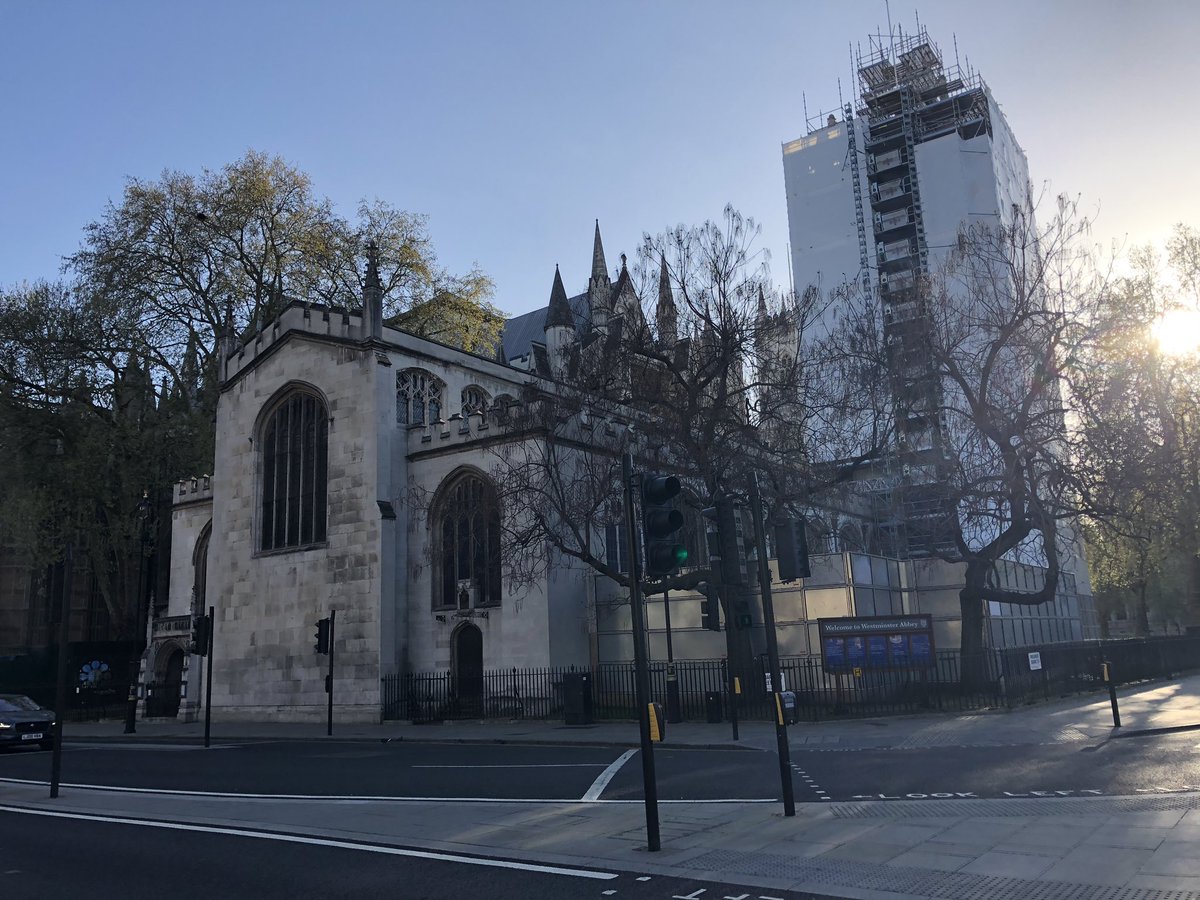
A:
(922, 649)
(877, 651)
(834, 651)
(856, 651)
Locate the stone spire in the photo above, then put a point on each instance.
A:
(559, 312)
(762, 305)
(373, 295)
(560, 328)
(666, 314)
(599, 286)
(599, 267)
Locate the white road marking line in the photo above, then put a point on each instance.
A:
(362, 798)
(521, 766)
(601, 782)
(319, 842)
(643, 878)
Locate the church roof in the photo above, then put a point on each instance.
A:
(521, 332)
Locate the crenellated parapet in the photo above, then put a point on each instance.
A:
(306, 318)
(524, 419)
(193, 490)
(458, 430)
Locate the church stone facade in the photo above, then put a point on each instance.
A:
(351, 475)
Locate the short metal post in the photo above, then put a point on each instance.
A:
(1112, 695)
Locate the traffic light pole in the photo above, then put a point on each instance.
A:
(640, 661)
(731, 668)
(764, 581)
(674, 713)
(60, 689)
(329, 677)
(208, 667)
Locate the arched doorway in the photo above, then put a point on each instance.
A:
(163, 699)
(468, 669)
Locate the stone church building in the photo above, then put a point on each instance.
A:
(352, 475)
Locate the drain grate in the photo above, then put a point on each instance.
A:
(908, 880)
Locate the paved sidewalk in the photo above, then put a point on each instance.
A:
(1096, 848)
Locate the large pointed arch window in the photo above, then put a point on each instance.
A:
(295, 457)
(418, 397)
(466, 533)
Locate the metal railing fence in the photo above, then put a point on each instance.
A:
(1004, 678)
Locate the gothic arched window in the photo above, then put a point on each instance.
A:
(466, 534)
(475, 400)
(295, 457)
(418, 397)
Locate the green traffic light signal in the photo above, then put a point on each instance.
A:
(660, 521)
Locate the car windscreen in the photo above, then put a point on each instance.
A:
(16, 703)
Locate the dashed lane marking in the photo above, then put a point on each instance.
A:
(810, 783)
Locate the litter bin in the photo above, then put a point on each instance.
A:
(790, 713)
(577, 698)
(712, 705)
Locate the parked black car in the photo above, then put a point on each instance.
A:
(23, 722)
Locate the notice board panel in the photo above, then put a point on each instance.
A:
(876, 643)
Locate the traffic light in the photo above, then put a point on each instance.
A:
(201, 631)
(660, 520)
(726, 541)
(710, 607)
(322, 644)
(791, 546)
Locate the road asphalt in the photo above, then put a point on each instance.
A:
(1144, 846)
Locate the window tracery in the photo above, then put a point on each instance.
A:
(466, 530)
(295, 458)
(418, 397)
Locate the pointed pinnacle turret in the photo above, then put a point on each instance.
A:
(373, 294)
(559, 312)
(599, 266)
(373, 281)
(762, 303)
(666, 314)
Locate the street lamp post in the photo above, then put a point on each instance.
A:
(143, 513)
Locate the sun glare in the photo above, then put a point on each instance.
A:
(1178, 332)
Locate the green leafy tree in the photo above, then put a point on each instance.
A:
(108, 382)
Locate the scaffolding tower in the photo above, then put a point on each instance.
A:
(908, 96)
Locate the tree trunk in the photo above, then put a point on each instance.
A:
(973, 672)
(1142, 619)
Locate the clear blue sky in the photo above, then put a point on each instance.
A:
(514, 125)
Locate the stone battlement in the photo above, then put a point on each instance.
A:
(193, 490)
(307, 318)
(500, 419)
(457, 430)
